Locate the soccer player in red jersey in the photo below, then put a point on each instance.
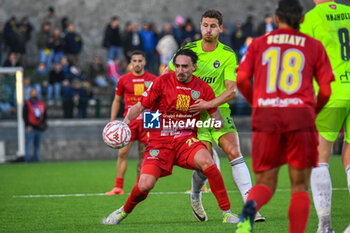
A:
(176, 142)
(283, 64)
(131, 85)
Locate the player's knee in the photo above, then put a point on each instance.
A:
(146, 185)
(123, 156)
(206, 163)
(233, 153)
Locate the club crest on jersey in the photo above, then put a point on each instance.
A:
(154, 153)
(333, 6)
(216, 64)
(195, 94)
(148, 84)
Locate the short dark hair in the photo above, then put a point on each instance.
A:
(213, 14)
(138, 52)
(186, 52)
(290, 12)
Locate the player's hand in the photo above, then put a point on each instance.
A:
(199, 105)
(126, 121)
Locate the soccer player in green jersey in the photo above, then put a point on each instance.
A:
(329, 22)
(216, 66)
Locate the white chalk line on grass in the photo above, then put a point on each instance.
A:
(152, 193)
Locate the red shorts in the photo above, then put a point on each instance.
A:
(296, 148)
(137, 131)
(179, 151)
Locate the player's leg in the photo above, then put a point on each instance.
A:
(300, 202)
(259, 195)
(321, 185)
(230, 144)
(141, 152)
(122, 164)
(149, 176)
(346, 161)
(203, 161)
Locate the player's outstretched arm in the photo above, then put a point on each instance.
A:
(115, 107)
(133, 112)
(217, 117)
(244, 86)
(202, 105)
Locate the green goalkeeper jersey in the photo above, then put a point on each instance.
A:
(329, 23)
(214, 67)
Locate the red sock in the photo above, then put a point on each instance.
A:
(217, 187)
(298, 212)
(119, 182)
(261, 194)
(135, 197)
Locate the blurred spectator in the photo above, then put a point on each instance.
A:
(177, 28)
(75, 72)
(27, 28)
(2, 43)
(25, 34)
(7, 96)
(166, 47)
(113, 71)
(74, 96)
(248, 27)
(65, 66)
(51, 18)
(237, 39)
(40, 80)
(44, 44)
(27, 88)
(266, 26)
(74, 45)
(112, 39)
(57, 45)
(225, 36)
(34, 116)
(12, 60)
(189, 33)
(245, 46)
(97, 72)
(149, 41)
(56, 78)
(64, 25)
(132, 40)
(10, 34)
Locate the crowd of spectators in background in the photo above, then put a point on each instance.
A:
(60, 76)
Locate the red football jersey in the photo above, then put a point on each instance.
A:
(173, 100)
(132, 87)
(283, 64)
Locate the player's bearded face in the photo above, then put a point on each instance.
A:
(138, 62)
(184, 68)
(210, 29)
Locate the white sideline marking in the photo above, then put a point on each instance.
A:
(153, 193)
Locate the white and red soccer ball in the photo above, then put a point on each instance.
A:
(116, 134)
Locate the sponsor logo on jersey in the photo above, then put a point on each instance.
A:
(345, 78)
(148, 84)
(216, 64)
(195, 94)
(151, 120)
(208, 80)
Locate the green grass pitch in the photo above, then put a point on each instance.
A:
(166, 210)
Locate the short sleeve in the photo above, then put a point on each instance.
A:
(151, 95)
(230, 69)
(119, 90)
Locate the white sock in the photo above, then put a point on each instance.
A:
(198, 181)
(241, 176)
(216, 159)
(321, 186)
(347, 170)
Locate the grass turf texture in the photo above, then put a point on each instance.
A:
(169, 212)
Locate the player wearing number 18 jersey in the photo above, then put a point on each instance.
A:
(283, 64)
(329, 22)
